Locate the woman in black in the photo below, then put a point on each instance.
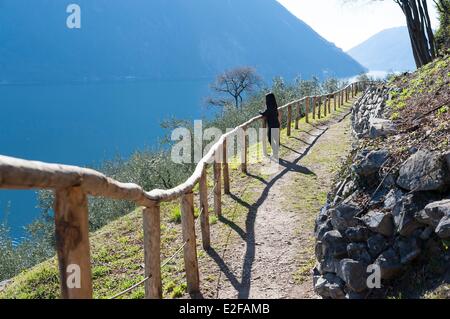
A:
(273, 124)
(271, 115)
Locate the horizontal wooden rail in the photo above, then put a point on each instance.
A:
(72, 184)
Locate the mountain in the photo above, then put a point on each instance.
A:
(160, 39)
(388, 50)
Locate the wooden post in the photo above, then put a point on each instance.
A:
(280, 118)
(325, 111)
(190, 249)
(314, 108)
(342, 97)
(264, 137)
(289, 120)
(72, 243)
(226, 173)
(204, 209)
(329, 104)
(307, 101)
(244, 151)
(152, 251)
(217, 190)
(334, 101)
(297, 114)
(319, 102)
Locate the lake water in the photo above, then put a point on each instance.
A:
(84, 124)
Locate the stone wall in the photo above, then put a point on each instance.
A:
(376, 224)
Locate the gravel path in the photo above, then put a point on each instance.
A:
(275, 239)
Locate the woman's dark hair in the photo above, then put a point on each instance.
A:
(271, 102)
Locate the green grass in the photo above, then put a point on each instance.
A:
(428, 79)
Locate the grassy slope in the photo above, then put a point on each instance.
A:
(117, 253)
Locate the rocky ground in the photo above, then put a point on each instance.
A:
(391, 205)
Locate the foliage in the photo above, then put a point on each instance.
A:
(443, 33)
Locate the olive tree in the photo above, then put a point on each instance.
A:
(234, 84)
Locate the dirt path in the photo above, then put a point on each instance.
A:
(269, 252)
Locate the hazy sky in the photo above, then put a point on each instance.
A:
(348, 24)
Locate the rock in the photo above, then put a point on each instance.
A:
(343, 215)
(389, 263)
(393, 201)
(426, 233)
(323, 215)
(321, 229)
(443, 228)
(408, 248)
(357, 234)
(348, 189)
(433, 212)
(333, 244)
(318, 250)
(371, 163)
(447, 159)
(379, 222)
(390, 181)
(378, 198)
(358, 252)
(329, 286)
(356, 295)
(376, 244)
(423, 171)
(329, 264)
(354, 273)
(381, 127)
(407, 221)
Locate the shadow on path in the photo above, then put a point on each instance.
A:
(243, 287)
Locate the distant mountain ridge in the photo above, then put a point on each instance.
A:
(160, 39)
(388, 50)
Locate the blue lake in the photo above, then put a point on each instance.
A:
(84, 124)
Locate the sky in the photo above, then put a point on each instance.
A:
(335, 20)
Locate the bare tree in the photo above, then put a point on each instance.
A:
(235, 83)
(419, 27)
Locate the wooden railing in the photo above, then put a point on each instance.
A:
(72, 185)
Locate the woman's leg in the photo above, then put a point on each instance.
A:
(275, 142)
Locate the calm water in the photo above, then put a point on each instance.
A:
(85, 124)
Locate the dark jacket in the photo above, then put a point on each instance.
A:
(271, 113)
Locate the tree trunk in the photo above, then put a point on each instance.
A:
(420, 31)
